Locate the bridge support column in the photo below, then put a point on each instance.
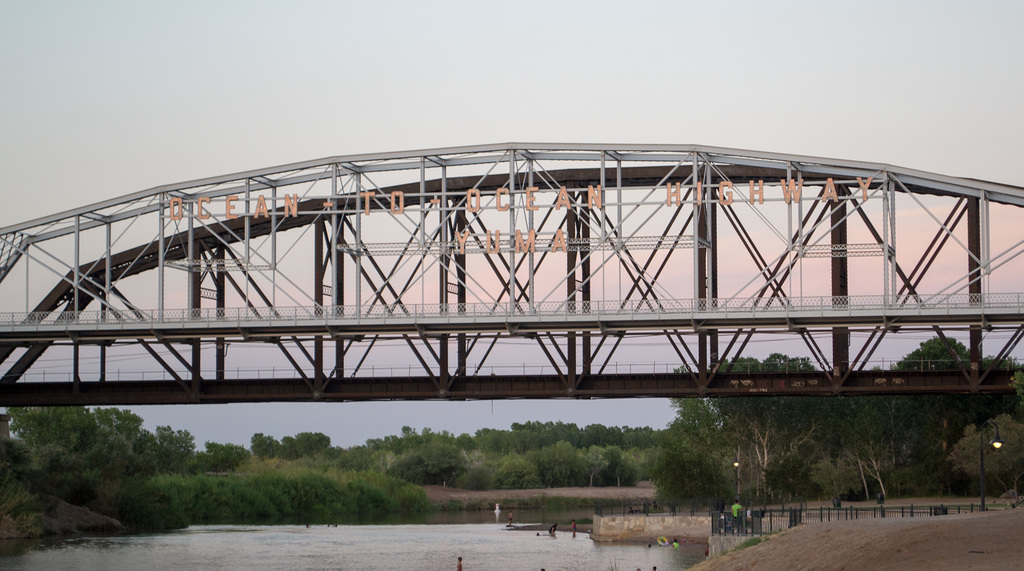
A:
(974, 283)
(219, 285)
(460, 274)
(195, 297)
(570, 291)
(585, 289)
(318, 300)
(76, 376)
(707, 343)
(339, 295)
(840, 286)
(713, 278)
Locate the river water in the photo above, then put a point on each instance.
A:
(483, 546)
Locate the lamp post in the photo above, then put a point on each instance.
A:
(736, 468)
(996, 443)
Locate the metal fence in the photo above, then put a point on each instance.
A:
(761, 520)
(671, 506)
(758, 521)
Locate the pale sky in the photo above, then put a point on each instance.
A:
(100, 99)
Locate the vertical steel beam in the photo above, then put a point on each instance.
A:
(338, 294)
(974, 275)
(78, 261)
(700, 220)
(840, 284)
(273, 247)
(442, 356)
(530, 258)
(358, 243)
(76, 376)
(195, 302)
(585, 285)
(713, 269)
(571, 226)
(318, 300)
(219, 281)
(106, 299)
(334, 235)
(460, 275)
(511, 233)
(160, 259)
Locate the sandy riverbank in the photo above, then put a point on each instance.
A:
(990, 540)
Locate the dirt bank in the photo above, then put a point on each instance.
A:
(642, 491)
(62, 518)
(991, 540)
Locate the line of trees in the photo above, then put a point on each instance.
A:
(851, 447)
(529, 455)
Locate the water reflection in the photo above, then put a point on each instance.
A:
(483, 546)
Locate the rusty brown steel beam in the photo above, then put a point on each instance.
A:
(660, 385)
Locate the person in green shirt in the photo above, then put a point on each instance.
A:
(737, 509)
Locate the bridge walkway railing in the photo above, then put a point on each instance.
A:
(804, 307)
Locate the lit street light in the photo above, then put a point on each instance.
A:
(996, 443)
(736, 467)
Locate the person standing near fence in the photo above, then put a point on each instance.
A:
(737, 509)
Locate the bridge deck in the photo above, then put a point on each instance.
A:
(497, 387)
(437, 319)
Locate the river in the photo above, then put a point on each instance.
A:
(483, 546)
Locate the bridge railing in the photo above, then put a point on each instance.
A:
(758, 521)
(416, 371)
(569, 310)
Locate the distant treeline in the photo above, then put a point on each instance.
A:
(530, 455)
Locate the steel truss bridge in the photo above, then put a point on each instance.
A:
(515, 271)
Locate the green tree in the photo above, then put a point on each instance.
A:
(477, 475)
(516, 472)
(934, 355)
(1018, 383)
(781, 363)
(84, 456)
(221, 457)
(442, 462)
(174, 450)
(1004, 466)
(767, 431)
(596, 462)
(304, 445)
(834, 476)
(559, 465)
(621, 470)
(263, 446)
(691, 459)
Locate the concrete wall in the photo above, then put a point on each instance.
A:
(619, 527)
(718, 544)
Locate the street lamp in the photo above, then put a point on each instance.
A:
(736, 467)
(996, 443)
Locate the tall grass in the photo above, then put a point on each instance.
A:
(17, 509)
(287, 494)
